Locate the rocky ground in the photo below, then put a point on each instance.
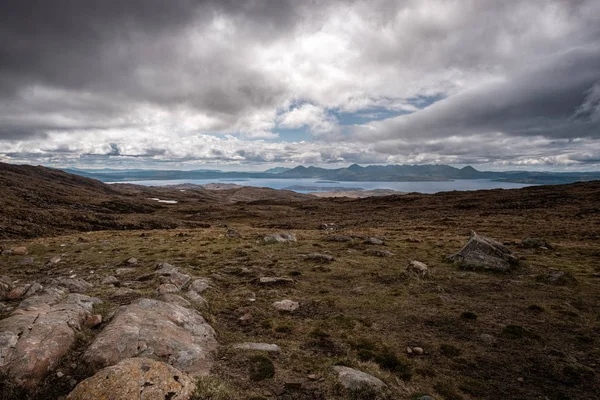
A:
(314, 299)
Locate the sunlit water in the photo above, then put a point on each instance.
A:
(312, 185)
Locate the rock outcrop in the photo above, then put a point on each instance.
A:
(285, 237)
(486, 254)
(156, 329)
(136, 378)
(39, 332)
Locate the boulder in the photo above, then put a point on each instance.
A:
(251, 346)
(233, 234)
(374, 240)
(73, 285)
(417, 268)
(110, 280)
(286, 305)
(39, 332)
(132, 261)
(486, 254)
(355, 380)
(167, 288)
(320, 258)
(152, 328)
(19, 251)
(285, 237)
(200, 285)
(136, 378)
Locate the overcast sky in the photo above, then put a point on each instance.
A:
(255, 84)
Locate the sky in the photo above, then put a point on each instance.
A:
(499, 85)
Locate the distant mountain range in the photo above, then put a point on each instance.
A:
(355, 173)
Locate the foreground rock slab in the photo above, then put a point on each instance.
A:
(484, 253)
(136, 378)
(39, 332)
(355, 380)
(156, 329)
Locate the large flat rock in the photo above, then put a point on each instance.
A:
(136, 378)
(39, 332)
(155, 329)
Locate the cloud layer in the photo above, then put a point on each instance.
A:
(287, 82)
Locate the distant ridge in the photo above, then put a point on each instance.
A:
(353, 173)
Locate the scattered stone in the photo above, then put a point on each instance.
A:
(380, 253)
(558, 278)
(356, 380)
(417, 268)
(280, 238)
(329, 227)
(486, 254)
(535, 243)
(167, 288)
(19, 251)
(196, 299)
(426, 398)
(53, 261)
(313, 377)
(136, 378)
(374, 240)
(413, 240)
(487, 338)
(417, 350)
(275, 281)
(124, 271)
(59, 374)
(321, 258)
(93, 320)
(110, 280)
(245, 319)
(39, 332)
(286, 305)
(123, 293)
(73, 285)
(267, 347)
(130, 261)
(7, 252)
(200, 285)
(338, 238)
(233, 234)
(175, 299)
(152, 328)
(409, 350)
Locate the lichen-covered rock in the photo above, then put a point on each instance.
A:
(286, 305)
(535, 243)
(251, 346)
(175, 299)
(484, 253)
(152, 328)
(39, 332)
(135, 378)
(355, 380)
(275, 281)
(6, 286)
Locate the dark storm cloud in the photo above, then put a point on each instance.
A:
(541, 100)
